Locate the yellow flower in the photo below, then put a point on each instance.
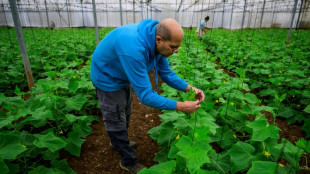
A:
(60, 133)
(241, 60)
(216, 101)
(280, 72)
(177, 137)
(232, 103)
(235, 136)
(74, 77)
(224, 82)
(270, 76)
(267, 154)
(281, 165)
(24, 146)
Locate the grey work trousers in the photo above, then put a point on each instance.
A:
(116, 109)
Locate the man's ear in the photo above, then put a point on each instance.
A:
(158, 39)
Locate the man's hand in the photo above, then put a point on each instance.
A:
(200, 96)
(188, 106)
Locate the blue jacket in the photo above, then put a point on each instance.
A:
(126, 55)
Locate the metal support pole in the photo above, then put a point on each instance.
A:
(95, 19)
(48, 21)
(82, 13)
(243, 16)
(68, 12)
(261, 18)
(22, 45)
(232, 11)
(120, 11)
(134, 13)
(141, 2)
(293, 16)
(223, 15)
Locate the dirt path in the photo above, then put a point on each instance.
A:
(97, 157)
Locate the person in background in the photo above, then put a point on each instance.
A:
(121, 62)
(202, 28)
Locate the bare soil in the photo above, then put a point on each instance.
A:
(97, 157)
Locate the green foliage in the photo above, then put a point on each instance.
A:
(55, 116)
(230, 133)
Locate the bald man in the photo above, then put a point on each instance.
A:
(121, 62)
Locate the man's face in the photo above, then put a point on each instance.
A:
(167, 48)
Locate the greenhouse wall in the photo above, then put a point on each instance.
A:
(223, 13)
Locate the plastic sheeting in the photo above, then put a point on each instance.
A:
(223, 14)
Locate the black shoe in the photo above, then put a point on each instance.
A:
(132, 169)
(132, 144)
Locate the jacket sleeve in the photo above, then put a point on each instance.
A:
(136, 71)
(168, 76)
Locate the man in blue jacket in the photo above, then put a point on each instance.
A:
(122, 61)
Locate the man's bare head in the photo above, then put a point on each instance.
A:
(169, 36)
(169, 28)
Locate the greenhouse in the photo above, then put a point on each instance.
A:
(154, 86)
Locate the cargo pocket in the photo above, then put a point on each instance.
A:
(110, 113)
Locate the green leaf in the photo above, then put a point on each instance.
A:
(290, 152)
(262, 130)
(263, 167)
(195, 153)
(307, 109)
(62, 167)
(2, 98)
(241, 156)
(171, 116)
(72, 118)
(49, 141)
(42, 169)
(162, 155)
(6, 122)
(172, 154)
(41, 116)
(73, 85)
(251, 98)
(204, 119)
(303, 144)
(76, 102)
(286, 112)
(220, 162)
(167, 134)
(10, 146)
(306, 127)
(3, 167)
(74, 143)
(162, 168)
(82, 128)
